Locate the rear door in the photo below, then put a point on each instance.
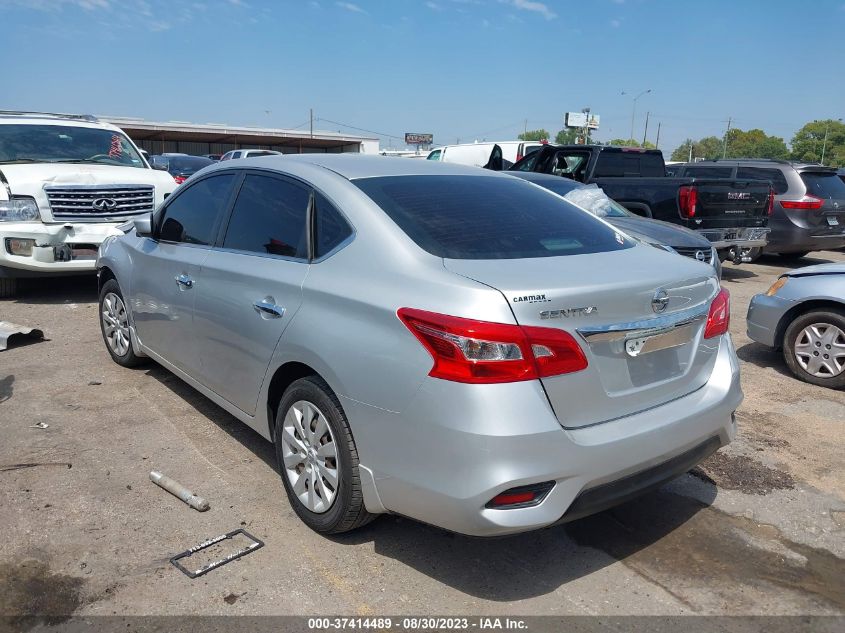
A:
(165, 271)
(251, 286)
(829, 219)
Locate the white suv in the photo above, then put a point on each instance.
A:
(66, 183)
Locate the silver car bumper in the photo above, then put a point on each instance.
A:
(764, 314)
(745, 238)
(470, 444)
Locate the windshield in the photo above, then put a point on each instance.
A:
(478, 217)
(66, 144)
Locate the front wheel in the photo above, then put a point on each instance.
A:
(114, 325)
(814, 348)
(318, 458)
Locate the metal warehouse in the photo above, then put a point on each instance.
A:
(212, 138)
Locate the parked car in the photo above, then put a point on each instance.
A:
(478, 154)
(248, 153)
(346, 307)
(809, 205)
(803, 313)
(672, 237)
(731, 214)
(214, 157)
(66, 183)
(181, 167)
(841, 174)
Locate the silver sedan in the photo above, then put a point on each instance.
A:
(803, 313)
(432, 340)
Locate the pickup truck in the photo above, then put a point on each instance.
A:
(732, 214)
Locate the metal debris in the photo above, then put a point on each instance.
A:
(12, 332)
(178, 490)
(40, 425)
(251, 547)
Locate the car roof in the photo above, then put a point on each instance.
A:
(353, 166)
(763, 162)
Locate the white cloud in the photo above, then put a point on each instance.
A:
(350, 7)
(530, 5)
(616, 23)
(433, 6)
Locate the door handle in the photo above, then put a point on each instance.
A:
(185, 281)
(267, 308)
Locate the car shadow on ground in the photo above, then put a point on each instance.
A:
(764, 357)
(239, 431)
(792, 264)
(535, 563)
(734, 273)
(56, 290)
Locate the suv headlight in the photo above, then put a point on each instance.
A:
(19, 210)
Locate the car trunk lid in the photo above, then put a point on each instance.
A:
(638, 314)
(732, 203)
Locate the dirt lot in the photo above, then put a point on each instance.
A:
(757, 529)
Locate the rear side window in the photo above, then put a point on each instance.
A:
(824, 185)
(775, 176)
(709, 172)
(330, 229)
(269, 218)
(194, 215)
(485, 217)
(617, 164)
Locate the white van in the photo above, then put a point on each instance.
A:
(478, 154)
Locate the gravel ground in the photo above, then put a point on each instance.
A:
(757, 529)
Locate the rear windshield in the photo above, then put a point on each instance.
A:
(824, 185)
(612, 164)
(709, 172)
(479, 217)
(775, 176)
(186, 164)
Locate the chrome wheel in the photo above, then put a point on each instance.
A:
(309, 454)
(115, 324)
(820, 350)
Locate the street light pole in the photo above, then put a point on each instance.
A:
(634, 109)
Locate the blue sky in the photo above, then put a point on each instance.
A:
(461, 69)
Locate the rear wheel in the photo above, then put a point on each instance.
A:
(814, 348)
(318, 458)
(8, 287)
(795, 255)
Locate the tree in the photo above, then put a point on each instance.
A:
(567, 136)
(755, 144)
(629, 142)
(808, 142)
(534, 135)
(708, 148)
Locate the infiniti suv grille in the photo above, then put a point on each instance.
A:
(99, 202)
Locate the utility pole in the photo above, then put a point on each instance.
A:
(645, 132)
(725, 148)
(311, 118)
(689, 160)
(525, 130)
(657, 143)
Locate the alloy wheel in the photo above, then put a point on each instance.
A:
(820, 350)
(115, 324)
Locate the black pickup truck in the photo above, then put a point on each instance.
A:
(733, 214)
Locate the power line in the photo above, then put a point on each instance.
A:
(360, 129)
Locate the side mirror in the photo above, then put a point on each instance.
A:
(144, 225)
(159, 166)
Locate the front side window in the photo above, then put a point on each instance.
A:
(194, 215)
(329, 226)
(269, 218)
(66, 144)
(488, 217)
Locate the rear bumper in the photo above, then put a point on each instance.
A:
(442, 461)
(753, 237)
(797, 240)
(764, 315)
(54, 247)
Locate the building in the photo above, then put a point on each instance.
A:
(212, 138)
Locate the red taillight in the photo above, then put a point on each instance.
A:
(466, 350)
(509, 499)
(687, 200)
(521, 496)
(770, 203)
(180, 179)
(719, 317)
(806, 203)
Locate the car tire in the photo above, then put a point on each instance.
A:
(302, 451)
(802, 334)
(795, 255)
(8, 287)
(114, 326)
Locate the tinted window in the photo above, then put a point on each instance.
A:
(709, 172)
(187, 164)
(775, 176)
(612, 164)
(193, 216)
(330, 228)
(527, 163)
(485, 217)
(824, 185)
(269, 218)
(435, 155)
(254, 153)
